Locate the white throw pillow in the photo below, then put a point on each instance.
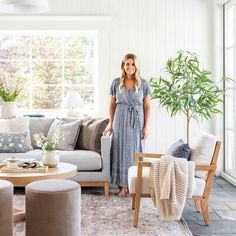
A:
(71, 131)
(202, 151)
(18, 124)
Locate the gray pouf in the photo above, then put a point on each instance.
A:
(53, 208)
(6, 208)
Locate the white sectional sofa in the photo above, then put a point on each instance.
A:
(93, 166)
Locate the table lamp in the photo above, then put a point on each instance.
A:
(73, 104)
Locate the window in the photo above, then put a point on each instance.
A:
(48, 65)
(230, 88)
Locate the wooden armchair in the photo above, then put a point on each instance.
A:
(138, 182)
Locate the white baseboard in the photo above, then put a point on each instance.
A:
(228, 178)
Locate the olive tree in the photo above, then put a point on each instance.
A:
(187, 88)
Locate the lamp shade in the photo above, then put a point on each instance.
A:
(24, 6)
(72, 100)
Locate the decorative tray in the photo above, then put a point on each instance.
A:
(41, 169)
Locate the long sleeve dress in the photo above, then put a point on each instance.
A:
(127, 129)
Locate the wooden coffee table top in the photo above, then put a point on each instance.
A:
(62, 171)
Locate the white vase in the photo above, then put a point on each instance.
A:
(50, 159)
(9, 109)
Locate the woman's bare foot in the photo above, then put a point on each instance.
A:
(121, 191)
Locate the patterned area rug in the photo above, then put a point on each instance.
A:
(113, 216)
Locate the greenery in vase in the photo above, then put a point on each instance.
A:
(49, 144)
(187, 88)
(7, 95)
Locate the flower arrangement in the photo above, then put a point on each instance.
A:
(49, 144)
(8, 95)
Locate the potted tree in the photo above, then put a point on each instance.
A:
(187, 89)
(9, 108)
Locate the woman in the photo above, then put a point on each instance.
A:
(129, 115)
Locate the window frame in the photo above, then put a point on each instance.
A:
(100, 24)
(226, 88)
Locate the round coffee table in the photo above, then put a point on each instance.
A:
(62, 171)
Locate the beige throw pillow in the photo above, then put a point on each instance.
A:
(71, 131)
(18, 124)
(91, 133)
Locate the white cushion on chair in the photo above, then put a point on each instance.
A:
(199, 186)
(202, 151)
(132, 176)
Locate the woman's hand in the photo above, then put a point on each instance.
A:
(108, 130)
(144, 133)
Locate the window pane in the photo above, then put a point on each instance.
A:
(79, 72)
(14, 74)
(230, 152)
(47, 97)
(87, 95)
(23, 101)
(229, 62)
(46, 47)
(14, 47)
(79, 47)
(229, 108)
(47, 72)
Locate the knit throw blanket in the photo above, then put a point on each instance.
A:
(171, 183)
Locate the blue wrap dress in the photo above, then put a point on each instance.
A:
(128, 123)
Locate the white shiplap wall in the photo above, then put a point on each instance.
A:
(154, 30)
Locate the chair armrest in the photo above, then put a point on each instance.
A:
(144, 164)
(137, 155)
(205, 167)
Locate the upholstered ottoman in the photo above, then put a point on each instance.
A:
(53, 208)
(6, 208)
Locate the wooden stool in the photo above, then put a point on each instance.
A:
(53, 208)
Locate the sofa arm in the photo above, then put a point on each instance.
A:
(105, 153)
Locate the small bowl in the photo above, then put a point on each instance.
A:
(12, 163)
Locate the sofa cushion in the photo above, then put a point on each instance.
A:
(91, 133)
(13, 142)
(85, 160)
(179, 149)
(202, 151)
(38, 125)
(69, 132)
(18, 124)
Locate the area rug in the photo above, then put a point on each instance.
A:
(113, 215)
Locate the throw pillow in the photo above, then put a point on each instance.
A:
(179, 149)
(18, 124)
(39, 125)
(91, 133)
(13, 142)
(202, 151)
(71, 131)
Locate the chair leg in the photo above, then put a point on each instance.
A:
(133, 201)
(198, 205)
(205, 211)
(136, 209)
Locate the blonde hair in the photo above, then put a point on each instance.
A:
(137, 82)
